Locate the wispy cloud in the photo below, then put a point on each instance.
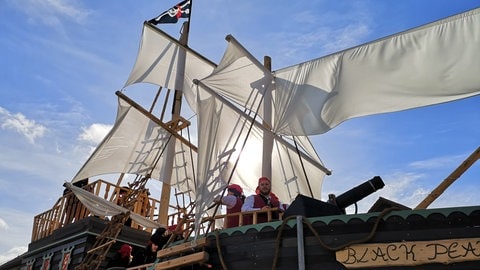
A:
(52, 12)
(404, 188)
(320, 36)
(347, 37)
(437, 162)
(19, 123)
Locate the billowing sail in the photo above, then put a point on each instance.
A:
(158, 61)
(239, 77)
(237, 134)
(435, 63)
(135, 145)
(231, 153)
(231, 137)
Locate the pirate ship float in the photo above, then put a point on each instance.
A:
(243, 106)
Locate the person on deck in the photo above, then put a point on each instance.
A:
(264, 199)
(149, 254)
(123, 257)
(122, 199)
(234, 202)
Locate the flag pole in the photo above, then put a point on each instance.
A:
(176, 108)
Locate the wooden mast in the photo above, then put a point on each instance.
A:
(176, 108)
(267, 136)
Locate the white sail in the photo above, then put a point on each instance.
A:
(435, 63)
(248, 79)
(157, 61)
(239, 77)
(225, 136)
(135, 145)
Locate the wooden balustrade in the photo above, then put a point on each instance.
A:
(68, 209)
(253, 214)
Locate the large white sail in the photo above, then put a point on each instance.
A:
(435, 63)
(236, 126)
(136, 145)
(157, 61)
(230, 152)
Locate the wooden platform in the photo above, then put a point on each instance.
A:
(185, 254)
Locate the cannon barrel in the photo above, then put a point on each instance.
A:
(359, 192)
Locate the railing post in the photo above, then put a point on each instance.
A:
(300, 243)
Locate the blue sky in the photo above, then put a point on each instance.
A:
(62, 61)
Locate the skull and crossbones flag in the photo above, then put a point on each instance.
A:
(181, 10)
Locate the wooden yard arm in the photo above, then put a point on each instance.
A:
(450, 179)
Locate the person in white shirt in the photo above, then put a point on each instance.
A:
(263, 199)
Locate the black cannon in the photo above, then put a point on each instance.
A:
(309, 207)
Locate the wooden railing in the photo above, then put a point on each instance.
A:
(68, 209)
(188, 226)
(253, 214)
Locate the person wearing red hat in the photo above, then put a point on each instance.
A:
(234, 201)
(177, 230)
(263, 199)
(123, 257)
(149, 253)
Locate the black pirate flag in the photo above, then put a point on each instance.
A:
(181, 10)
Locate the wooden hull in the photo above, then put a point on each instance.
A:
(451, 237)
(75, 239)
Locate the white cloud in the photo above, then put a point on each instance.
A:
(95, 133)
(12, 253)
(320, 36)
(347, 37)
(19, 123)
(51, 12)
(13, 242)
(403, 188)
